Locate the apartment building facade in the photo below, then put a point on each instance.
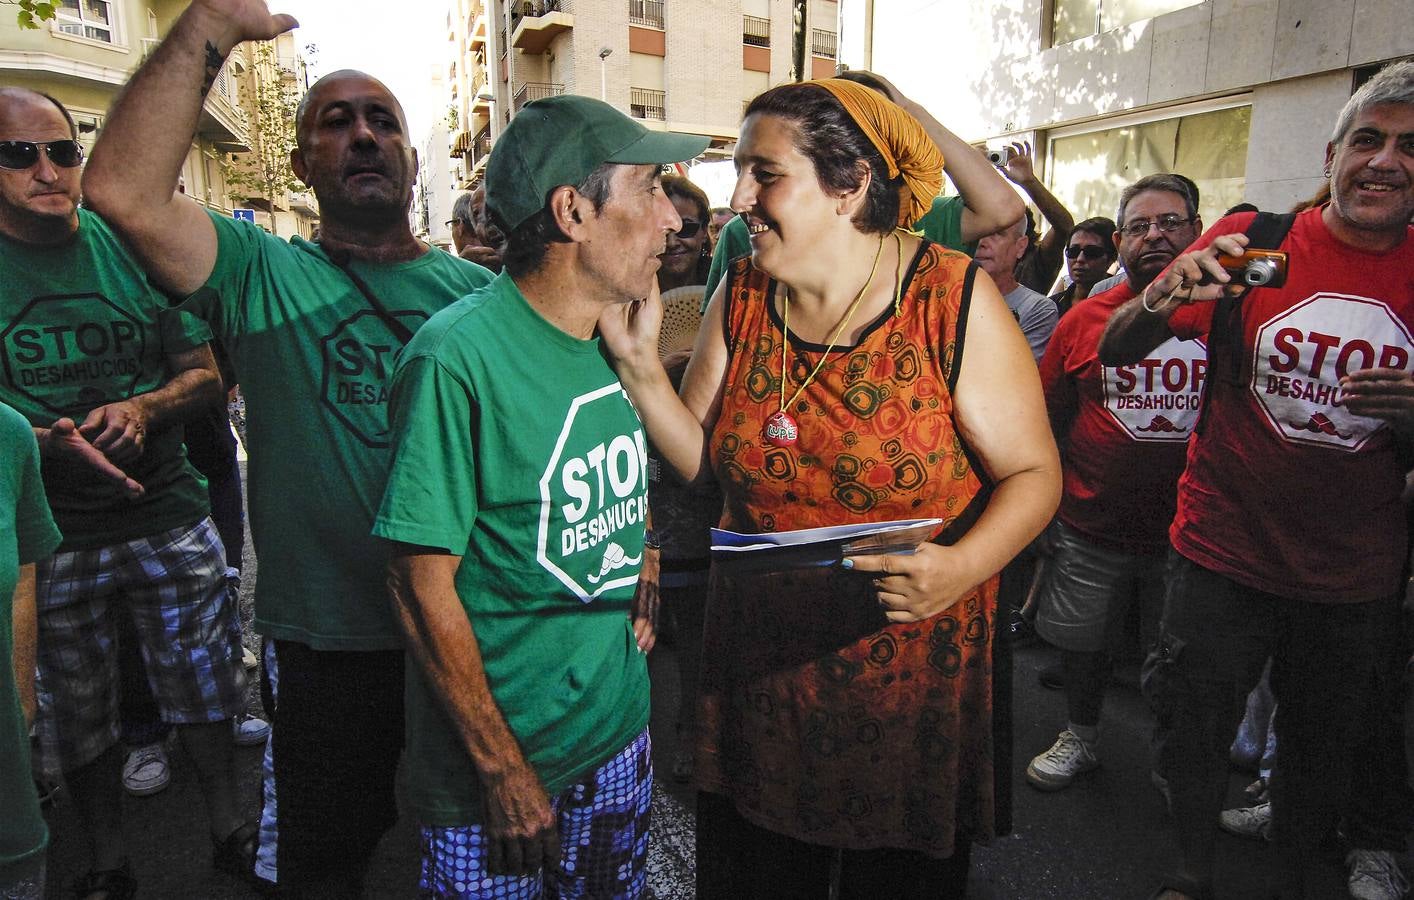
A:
(1240, 95)
(679, 65)
(88, 51)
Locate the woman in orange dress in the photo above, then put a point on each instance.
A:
(848, 372)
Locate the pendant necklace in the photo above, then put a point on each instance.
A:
(781, 429)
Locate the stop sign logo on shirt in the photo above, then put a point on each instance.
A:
(355, 367)
(69, 353)
(594, 496)
(1303, 352)
(1157, 398)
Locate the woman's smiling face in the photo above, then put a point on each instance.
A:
(778, 192)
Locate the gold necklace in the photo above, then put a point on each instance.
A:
(781, 429)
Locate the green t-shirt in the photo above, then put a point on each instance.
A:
(80, 327)
(941, 224)
(27, 534)
(313, 358)
(516, 447)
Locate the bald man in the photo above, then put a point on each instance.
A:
(312, 328)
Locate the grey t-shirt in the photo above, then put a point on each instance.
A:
(1036, 314)
(1102, 286)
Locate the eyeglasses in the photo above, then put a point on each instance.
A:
(1090, 251)
(689, 228)
(23, 154)
(1165, 224)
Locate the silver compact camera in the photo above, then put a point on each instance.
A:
(999, 157)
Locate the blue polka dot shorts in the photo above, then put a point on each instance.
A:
(603, 825)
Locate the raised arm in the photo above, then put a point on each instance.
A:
(519, 819)
(988, 201)
(678, 427)
(153, 121)
(1142, 324)
(1020, 168)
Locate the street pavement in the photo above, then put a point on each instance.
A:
(1105, 837)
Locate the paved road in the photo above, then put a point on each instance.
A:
(1103, 838)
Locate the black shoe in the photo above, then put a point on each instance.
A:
(235, 855)
(1052, 677)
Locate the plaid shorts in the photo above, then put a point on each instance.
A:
(603, 823)
(174, 587)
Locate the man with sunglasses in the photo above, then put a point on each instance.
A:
(1290, 541)
(1088, 256)
(1122, 432)
(313, 329)
(105, 372)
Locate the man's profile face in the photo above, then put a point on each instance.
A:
(1147, 255)
(999, 252)
(353, 150)
(483, 229)
(1372, 169)
(630, 233)
(43, 194)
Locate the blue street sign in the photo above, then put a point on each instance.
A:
(247, 214)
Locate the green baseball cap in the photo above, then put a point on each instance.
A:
(561, 140)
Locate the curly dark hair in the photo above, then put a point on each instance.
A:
(827, 136)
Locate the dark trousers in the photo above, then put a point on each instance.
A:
(1215, 638)
(737, 860)
(338, 735)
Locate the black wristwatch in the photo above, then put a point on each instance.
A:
(650, 540)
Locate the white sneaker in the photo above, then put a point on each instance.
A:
(145, 771)
(1068, 757)
(1374, 875)
(249, 732)
(1248, 821)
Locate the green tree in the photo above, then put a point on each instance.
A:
(269, 96)
(32, 12)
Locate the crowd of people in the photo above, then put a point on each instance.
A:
(481, 483)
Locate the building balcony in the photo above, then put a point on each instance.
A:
(303, 202)
(481, 103)
(646, 104)
(535, 90)
(756, 31)
(480, 149)
(538, 22)
(823, 43)
(222, 121)
(477, 36)
(646, 12)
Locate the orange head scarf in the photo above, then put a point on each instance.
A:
(901, 141)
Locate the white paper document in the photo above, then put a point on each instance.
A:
(819, 546)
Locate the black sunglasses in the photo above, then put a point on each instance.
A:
(689, 228)
(1089, 251)
(23, 154)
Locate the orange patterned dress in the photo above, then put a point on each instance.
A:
(819, 719)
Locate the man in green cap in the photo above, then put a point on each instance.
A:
(516, 504)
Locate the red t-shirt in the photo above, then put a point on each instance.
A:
(1285, 491)
(1122, 429)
